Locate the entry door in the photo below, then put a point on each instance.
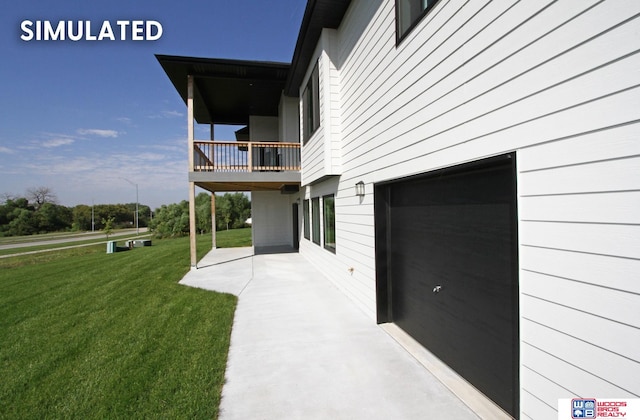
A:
(296, 232)
(451, 268)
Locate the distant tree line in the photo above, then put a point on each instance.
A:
(39, 212)
(232, 211)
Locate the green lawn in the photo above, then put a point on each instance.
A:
(54, 235)
(233, 238)
(224, 239)
(86, 334)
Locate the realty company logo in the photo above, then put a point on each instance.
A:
(583, 409)
(600, 408)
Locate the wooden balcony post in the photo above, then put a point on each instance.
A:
(250, 157)
(213, 220)
(211, 157)
(190, 121)
(192, 185)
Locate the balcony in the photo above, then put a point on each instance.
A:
(236, 156)
(245, 166)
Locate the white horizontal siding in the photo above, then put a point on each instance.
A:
(609, 175)
(313, 151)
(602, 144)
(601, 239)
(558, 82)
(322, 154)
(549, 389)
(611, 271)
(607, 367)
(333, 116)
(610, 207)
(540, 409)
(389, 138)
(549, 366)
(552, 301)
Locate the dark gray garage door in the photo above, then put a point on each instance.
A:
(447, 270)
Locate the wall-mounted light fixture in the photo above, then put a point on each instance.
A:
(360, 189)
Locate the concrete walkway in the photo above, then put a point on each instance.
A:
(301, 350)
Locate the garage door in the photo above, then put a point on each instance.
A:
(447, 255)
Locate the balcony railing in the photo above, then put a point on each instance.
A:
(238, 156)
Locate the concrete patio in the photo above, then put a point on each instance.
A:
(301, 350)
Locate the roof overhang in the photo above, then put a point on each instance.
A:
(228, 91)
(319, 14)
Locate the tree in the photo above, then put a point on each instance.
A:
(224, 211)
(108, 226)
(171, 220)
(22, 223)
(81, 217)
(53, 218)
(41, 195)
(16, 218)
(232, 210)
(41, 214)
(203, 212)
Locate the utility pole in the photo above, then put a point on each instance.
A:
(136, 185)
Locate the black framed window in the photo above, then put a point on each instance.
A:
(409, 13)
(329, 208)
(305, 216)
(315, 220)
(311, 105)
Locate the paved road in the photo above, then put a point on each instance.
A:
(83, 237)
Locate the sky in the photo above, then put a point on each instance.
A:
(92, 119)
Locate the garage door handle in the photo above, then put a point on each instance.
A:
(437, 289)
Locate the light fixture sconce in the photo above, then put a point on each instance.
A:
(360, 189)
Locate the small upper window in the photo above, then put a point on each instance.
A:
(408, 13)
(311, 105)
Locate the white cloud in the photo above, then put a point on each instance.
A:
(5, 150)
(166, 114)
(125, 120)
(170, 114)
(80, 174)
(97, 132)
(57, 142)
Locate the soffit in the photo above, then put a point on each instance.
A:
(319, 14)
(228, 91)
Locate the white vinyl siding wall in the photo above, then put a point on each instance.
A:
(321, 155)
(312, 153)
(559, 83)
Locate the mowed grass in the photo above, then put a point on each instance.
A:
(85, 334)
(233, 238)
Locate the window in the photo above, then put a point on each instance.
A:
(315, 220)
(311, 105)
(409, 13)
(329, 222)
(305, 216)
